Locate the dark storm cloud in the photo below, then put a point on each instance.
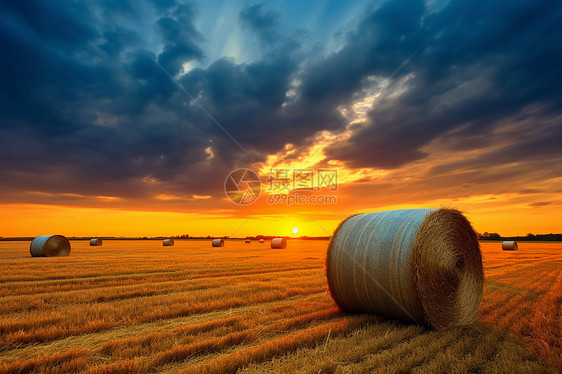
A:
(536, 141)
(250, 99)
(263, 22)
(382, 41)
(473, 64)
(85, 108)
(181, 37)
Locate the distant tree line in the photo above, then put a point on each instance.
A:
(485, 236)
(529, 237)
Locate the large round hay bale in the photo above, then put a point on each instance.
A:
(510, 245)
(49, 246)
(168, 242)
(262, 241)
(218, 243)
(95, 242)
(416, 265)
(247, 241)
(278, 243)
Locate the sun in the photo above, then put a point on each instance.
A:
(295, 230)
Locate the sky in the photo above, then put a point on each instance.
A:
(126, 118)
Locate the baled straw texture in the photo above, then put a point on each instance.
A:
(416, 265)
(218, 243)
(168, 242)
(510, 245)
(95, 242)
(49, 246)
(279, 243)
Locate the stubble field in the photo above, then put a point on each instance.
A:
(135, 306)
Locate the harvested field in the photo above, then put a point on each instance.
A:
(137, 306)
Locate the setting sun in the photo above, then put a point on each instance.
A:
(295, 230)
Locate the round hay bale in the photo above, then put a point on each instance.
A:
(168, 242)
(218, 243)
(510, 245)
(262, 241)
(415, 265)
(279, 243)
(95, 242)
(247, 241)
(49, 246)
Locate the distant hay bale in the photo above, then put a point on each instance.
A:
(95, 242)
(247, 241)
(279, 243)
(168, 242)
(218, 243)
(49, 246)
(510, 245)
(416, 265)
(262, 241)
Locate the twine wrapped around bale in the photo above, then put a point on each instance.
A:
(218, 243)
(95, 242)
(416, 265)
(510, 246)
(279, 243)
(49, 246)
(262, 241)
(168, 243)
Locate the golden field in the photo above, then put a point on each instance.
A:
(135, 306)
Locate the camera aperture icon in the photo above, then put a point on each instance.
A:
(242, 186)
